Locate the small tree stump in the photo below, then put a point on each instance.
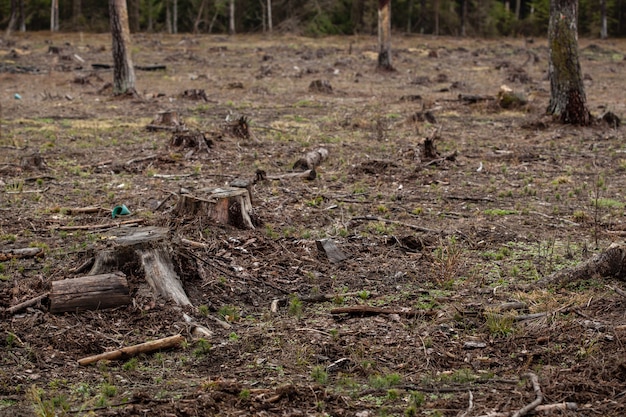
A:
(95, 292)
(167, 120)
(311, 160)
(228, 205)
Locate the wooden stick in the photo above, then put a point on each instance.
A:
(538, 396)
(5, 255)
(371, 311)
(130, 351)
(380, 219)
(27, 303)
(100, 226)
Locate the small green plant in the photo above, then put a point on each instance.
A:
(499, 212)
(42, 408)
(233, 337)
(229, 313)
(499, 324)
(108, 390)
(203, 347)
(244, 394)
(295, 306)
(203, 310)
(319, 375)
(415, 401)
(385, 381)
(131, 364)
(364, 294)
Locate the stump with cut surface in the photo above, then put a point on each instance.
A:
(228, 205)
(149, 248)
(94, 292)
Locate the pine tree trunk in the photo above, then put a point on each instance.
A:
(269, 16)
(123, 71)
(464, 18)
(54, 16)
(22, 17)
(567, 98)
(76, 12)
(603, 29)
(231, 17)
(384, 35)
(436, 7)
(12, 19)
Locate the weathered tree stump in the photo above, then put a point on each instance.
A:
(94, 292)
(320, 86)
(149, 249)
(228, 205)
(167, 120)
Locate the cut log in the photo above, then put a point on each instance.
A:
(228, 205)
(610, 263)
(311, 160)
(5, 255)
(95, 292)
(130, 351)
(149, 249)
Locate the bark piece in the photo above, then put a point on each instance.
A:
(94, 292)
(311, 160)
(330, 249)
(609, 263)
(228, 205)
(130, 351)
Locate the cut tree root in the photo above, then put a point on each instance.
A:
(609, 263)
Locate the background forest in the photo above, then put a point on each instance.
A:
(485, 18)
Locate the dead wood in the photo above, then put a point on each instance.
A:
(228, 205)
(239, 128)
(148, 248)
(130, 351)
(167, 120)
(330, 249)
(102, 226)
(380, 219)
(538, 396)
(195, 94)
(197, 140)
(473, 99)
(142, 159)
(33, 161)
(320, 86)
(319, 298)
(79, 210)
(609, 263)
(28, 303)
(95, 292)
(22, 253)
(309, 174)
(364, 310)
(311, 160)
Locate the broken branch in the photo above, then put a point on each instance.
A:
(130, 351)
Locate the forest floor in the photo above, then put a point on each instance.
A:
(439, 244)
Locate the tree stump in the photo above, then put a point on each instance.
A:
(94, 292)
(167, 120)
(311, 160)
(149, 249)
(228, 205)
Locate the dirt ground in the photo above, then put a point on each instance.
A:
(440, 243)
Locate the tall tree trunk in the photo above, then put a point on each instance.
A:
(13, 19)
(567, 95)
(22, 16)
(603, 30)
(168, 17)
(150, 19)
(269, 16)
(384, 35)
(123, 71)
(134, 16)
(464, 18)
(231, 17)
(409, 24)
(54, 16)
(518, 9)
(196, 23)
(175, 17)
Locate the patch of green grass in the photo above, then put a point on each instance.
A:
(607, 203)
(385, 381)
(203, 347)
(319, 375)
(499, 212)
(229, 313)
(499, 325)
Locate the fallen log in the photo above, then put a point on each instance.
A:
(130, 351)
(5, 255)
(609, 263)
(311, 160)
(363, 310)
(95, 292)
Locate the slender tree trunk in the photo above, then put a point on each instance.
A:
(384, 35)
(464, 18)
(567, 95)
(518, 9)
(168, 17)
(409, 24)
(123, 71)
(196, 23)
(231, 17)
(603, 30)
(135, 16)
(13, 19)
(175, 17)
(22, 17)
(269, 16)
(150, 20)
(54, 16)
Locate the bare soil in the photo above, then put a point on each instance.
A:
(441, 241)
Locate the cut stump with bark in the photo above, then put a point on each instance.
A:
(228, 205)
(149, 249)
(311, 160)
(94, 292)
(167, 120)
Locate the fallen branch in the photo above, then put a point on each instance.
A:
(538, 396)
(309, 174)
(27, 303)
(79, 210)
(101, 226)
(319, 298)
(5, 255)
(540, 408)
(130, 351)
(363, 310)
(380, 219)
(28, 191)
(609, 263)
(143, 159)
